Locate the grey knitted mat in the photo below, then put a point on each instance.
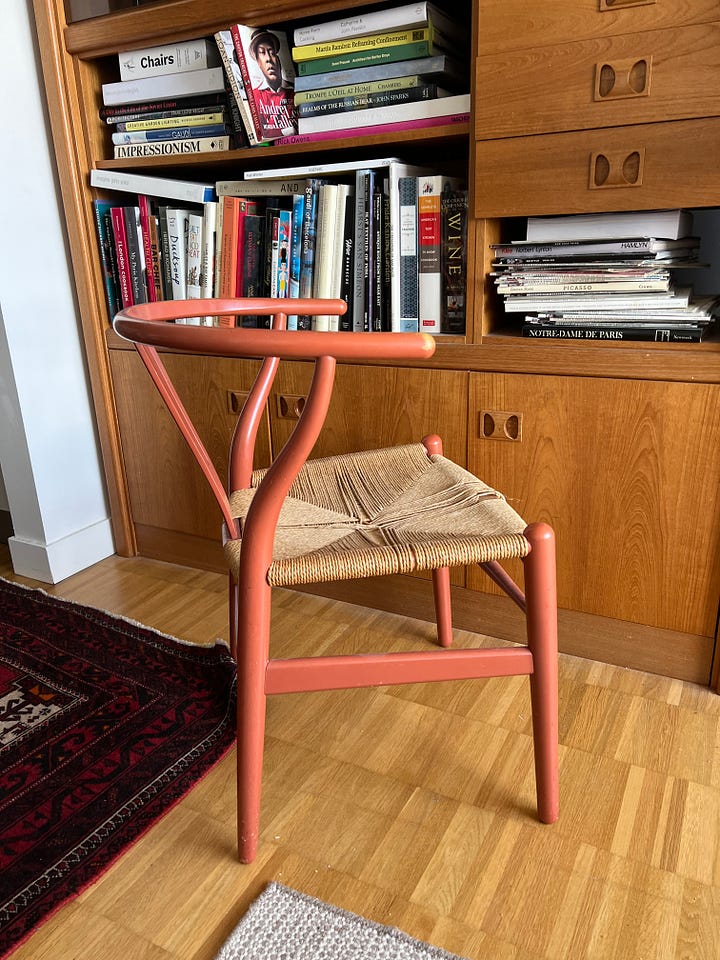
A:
(283, 924)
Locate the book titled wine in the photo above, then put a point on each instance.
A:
(169, 58)
(268, 77)
(168, 148)
(430, 306)
(453, 260)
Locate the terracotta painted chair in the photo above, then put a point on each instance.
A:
(356, 515)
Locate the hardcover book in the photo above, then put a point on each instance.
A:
(373, 57)
(169, 58)
(374, 116)
(103, 223)
(409, 15)
(172, 85)
(167, 148)
(184, 190)
(662, 224)
(163, 107)
(453, 214)
(442, 69)
(391, 38)
(231, 65)
(426, 91)
(268, 77)
(213, 116)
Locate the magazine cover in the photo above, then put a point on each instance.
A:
(270, 76)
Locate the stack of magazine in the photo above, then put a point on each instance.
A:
(605, 277)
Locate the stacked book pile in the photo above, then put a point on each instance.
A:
(604, 277)
(170, 100)
(393, 69)
(386, 237)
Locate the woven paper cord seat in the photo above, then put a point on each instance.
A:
(380, 512)
(365, 514)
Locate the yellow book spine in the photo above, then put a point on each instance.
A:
(161, 123)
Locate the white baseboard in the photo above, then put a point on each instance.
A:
(53, 562)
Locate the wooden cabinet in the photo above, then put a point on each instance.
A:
(578, 106)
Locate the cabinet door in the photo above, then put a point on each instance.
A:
(628, 474)
(170, 498)
(377, 407)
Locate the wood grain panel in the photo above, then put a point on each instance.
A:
(617, 469)
(382, 406)
(536, 24)
(662, 75)
(167, 489)
(525, 176)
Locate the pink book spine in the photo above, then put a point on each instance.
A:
(242, 63)
(397, 127)
(147, 245)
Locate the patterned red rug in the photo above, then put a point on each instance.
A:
(104, 725)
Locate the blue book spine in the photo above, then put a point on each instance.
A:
(169, 133)
(307, 255)
(295, 251)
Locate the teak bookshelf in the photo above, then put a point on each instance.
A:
(619, 446)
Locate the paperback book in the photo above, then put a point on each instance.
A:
(169, 58)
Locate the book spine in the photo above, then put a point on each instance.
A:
(155, 268)
(121, 256)
(374, 116)
(194, 256)
(135, 254)
(408, 317)
(272, 107)
(207, 119)
(646, 334)
(369, 252)
(226, 46)
(374, 129)
(283, 261)
(145, 215)
(440, 68)
(229, 261)
(573, 248)
(169, 58)
(411, 15)
(629, 286)
(207, 261)
(169, 133)
(325, 246)
(165, 148)
(453, 212)
(367, 58)
(167, 86)
(372, 41)
(309, 230)
(359, 266)
(167, 105)
(165, 253)
(105, 245)
(295, 252)
(378, 259)
(253, 227)
(347, 264)
(182, 190)
(177, 221)
(428, 91)
(341, 91)
(429, 247)
(245, 75)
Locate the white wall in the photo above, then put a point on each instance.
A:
(48, 446)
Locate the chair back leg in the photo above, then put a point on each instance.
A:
(541, 612)
(253, 640)
(443, 605)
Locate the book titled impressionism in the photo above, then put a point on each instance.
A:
(268, 77)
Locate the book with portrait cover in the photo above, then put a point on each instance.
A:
(269, 78)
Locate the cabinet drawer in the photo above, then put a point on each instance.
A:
(517, 24)
(643, 167)
(671, 74)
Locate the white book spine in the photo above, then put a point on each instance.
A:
(182, 190)
(177, 221)
(207, 261)
(259, 188)
(410, 15)
(395, 113)
(318, 169)
(169, 148)
(211, 80)
(324, 251)
(168, 58)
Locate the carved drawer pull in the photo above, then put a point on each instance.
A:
(623, 78)
(616, 168)
(606, 5)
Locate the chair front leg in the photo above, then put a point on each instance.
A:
(541, 599)
(252, 656)
(443, 605)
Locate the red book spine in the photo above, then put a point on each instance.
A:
(242, 63)
(228, 257)
(121, 254)
(144, 207)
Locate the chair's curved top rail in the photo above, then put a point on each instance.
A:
(148, 323)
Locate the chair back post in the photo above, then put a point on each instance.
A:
(242, 446)
(262, 517)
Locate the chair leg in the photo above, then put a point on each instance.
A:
(443, 605)
(541, 597)
(252, 656)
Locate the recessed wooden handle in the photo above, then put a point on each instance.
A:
(616, 168)
(622, 79)
(606, 5)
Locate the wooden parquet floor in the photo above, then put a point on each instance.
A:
(414, 806)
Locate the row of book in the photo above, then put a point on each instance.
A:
(395, 69)
(387, 238)
(605, 277)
